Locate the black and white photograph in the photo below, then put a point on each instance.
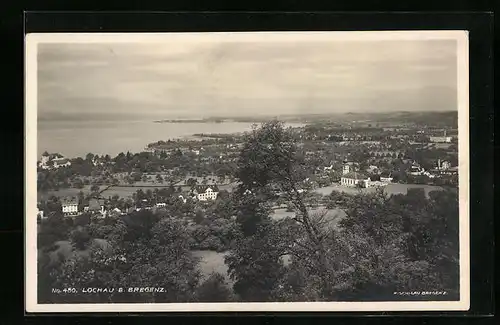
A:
(247, 171)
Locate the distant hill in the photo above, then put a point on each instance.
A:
(429, 118)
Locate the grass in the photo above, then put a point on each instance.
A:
(123, 191)
(62, 192)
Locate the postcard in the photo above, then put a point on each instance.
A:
(247, 171)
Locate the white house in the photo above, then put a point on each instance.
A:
(69, 206)
(161, 205)
(51, 161)
(205, 193)
(440, 139)
(354, 179)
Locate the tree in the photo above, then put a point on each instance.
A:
(199, 217)
(191, 182)
(94, 188)
(82, 220)
(401, 242)
(269, 160)
(51, 230)
(80, 238)
(255, 265)
(78, 183)
(161, 259)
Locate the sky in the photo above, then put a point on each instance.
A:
(200, 79)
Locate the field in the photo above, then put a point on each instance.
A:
(127, 191)
(62, 192)
(122, 191)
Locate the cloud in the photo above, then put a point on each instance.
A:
(195, 79)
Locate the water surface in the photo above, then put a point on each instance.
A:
(73, 139)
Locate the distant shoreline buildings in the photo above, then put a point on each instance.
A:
(53, 161)
(443, 139)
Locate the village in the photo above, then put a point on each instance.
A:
(214, 168)
(340, 157)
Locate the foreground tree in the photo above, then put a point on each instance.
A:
(269, 163)
(153, 254)
(255, 265)
(214, 289)
(400, 243)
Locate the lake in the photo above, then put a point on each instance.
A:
(74, 139)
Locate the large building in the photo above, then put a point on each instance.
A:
(354, 179)
(206, 192)
(53, 161)
(69, 206)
